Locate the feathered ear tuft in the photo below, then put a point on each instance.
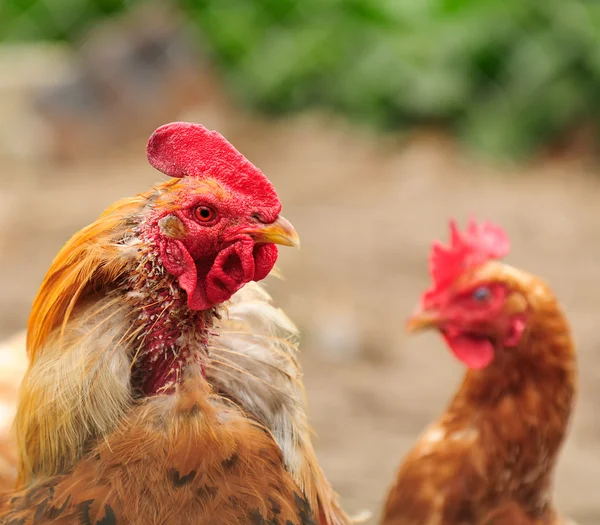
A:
(182, 149)
(476, 245)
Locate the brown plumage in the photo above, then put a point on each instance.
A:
(196, 460)
(490, 458)
(158, 389)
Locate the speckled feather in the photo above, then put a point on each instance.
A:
(185, 459)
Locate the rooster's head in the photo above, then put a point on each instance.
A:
(217, 222)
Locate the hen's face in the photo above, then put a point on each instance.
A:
(479, 314)
(214, 240)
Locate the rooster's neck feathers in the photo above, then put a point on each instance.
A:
(95, 258)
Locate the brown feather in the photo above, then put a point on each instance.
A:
(193, 453)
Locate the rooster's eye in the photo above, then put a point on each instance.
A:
(204, 214)
(481, 294)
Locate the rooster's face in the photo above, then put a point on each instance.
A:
(214, 239)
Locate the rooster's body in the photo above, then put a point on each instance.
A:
(489, 460)
(196, 451)
(148, 398)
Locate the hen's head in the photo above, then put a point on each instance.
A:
(480, 305)
(217, 223)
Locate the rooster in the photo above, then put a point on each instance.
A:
(490, 459)
(162, 385)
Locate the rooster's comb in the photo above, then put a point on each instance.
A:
(182, 149)
(476, 245)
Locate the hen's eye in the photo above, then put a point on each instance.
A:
(481, 294)
(204, 213)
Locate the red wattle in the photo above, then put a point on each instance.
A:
(265, 257)
(475, 352)
(179, 263)
(232, 269)
(234, 266)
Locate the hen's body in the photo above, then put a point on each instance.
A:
(489, 460)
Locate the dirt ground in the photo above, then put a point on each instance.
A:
(366, 210)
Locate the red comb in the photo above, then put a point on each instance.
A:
(182, 149)
(478, 244)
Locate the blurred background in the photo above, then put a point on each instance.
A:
(376, 120)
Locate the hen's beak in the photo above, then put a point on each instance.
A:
(423, 320)
(279, 232)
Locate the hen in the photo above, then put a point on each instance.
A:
(150, 396)
(489, 460)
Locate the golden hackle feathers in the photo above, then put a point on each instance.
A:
(76, 385)
(89, 260)
(76, 392)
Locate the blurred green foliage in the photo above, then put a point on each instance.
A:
(53, 19)
(505, 75)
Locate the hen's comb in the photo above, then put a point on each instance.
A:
(182, 149)
(476, 245)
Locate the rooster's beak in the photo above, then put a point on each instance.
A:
(423, 320)
(279, 232)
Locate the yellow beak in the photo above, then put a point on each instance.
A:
(422, 320)
(279, 232)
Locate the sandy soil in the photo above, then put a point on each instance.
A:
(367, 210)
